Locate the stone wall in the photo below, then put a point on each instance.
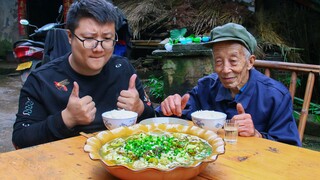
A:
(8, 28)
(8, 20)
(183, 66)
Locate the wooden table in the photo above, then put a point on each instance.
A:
(250, 158)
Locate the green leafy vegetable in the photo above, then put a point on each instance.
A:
(177, 33)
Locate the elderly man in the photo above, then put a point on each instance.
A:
(260, 105)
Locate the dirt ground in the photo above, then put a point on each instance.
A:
(9, 94)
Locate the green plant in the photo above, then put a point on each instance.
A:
(286, 78)
(178, 33)
(155, 85)
(5, 46)
(313, 109)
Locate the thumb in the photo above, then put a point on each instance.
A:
(240, 108)
(132, 82)
(184, 100)
(75, 90)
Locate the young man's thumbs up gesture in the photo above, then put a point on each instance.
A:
(129, 99)
(79, 111)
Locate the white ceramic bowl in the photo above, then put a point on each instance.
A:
(210, 120)
(117, 118)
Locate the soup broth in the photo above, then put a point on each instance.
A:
(162, 150)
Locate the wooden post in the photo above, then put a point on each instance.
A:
(306, 104)
(267, 72)
(293, 85)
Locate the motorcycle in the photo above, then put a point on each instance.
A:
(29, 52)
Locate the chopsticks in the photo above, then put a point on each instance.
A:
(86, 134)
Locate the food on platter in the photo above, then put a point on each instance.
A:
(157, 150)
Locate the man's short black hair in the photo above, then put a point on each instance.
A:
(100, 10)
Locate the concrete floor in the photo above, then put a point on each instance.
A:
(9, 90)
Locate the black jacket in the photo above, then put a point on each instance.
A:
(46, 92)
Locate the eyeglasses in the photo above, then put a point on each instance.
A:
(93, 43)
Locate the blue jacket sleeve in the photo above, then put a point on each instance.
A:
(281, 126)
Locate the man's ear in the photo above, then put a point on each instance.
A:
(252, 59)
(69, 35)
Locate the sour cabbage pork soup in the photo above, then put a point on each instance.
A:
(161, 150)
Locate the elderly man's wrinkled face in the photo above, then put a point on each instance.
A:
(232, 64)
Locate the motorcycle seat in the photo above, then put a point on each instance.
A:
(28, 42)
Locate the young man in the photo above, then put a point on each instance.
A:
(260, 105)
(68, 95)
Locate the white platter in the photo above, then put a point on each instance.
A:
(165, 120)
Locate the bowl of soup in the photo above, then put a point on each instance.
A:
(155, 151)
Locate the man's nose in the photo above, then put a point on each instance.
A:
(99, 46)
(226, 68)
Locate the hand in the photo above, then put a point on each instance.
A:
(79, 111)
(174, 104)
(129, 99)
(244, 120)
